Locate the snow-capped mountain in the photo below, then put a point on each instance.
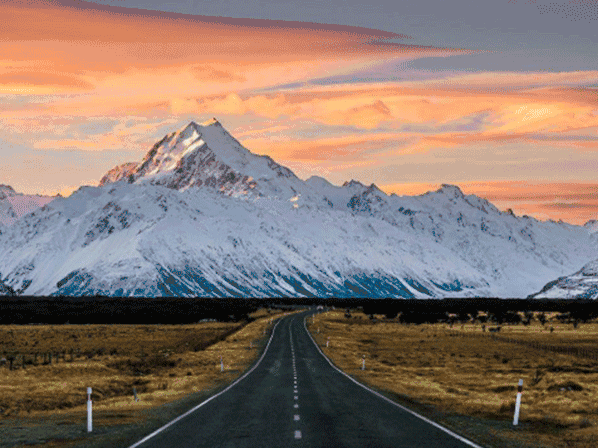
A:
(591, 226)
(201, 215)
(513, 252)
(206, 155)
(583, 284)
(13, 205)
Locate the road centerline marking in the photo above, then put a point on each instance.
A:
(297, 434)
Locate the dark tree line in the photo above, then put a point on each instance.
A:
(106, 310)
(497, 311)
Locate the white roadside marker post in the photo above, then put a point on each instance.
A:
(221, 364)
(518, 403)
(327, 341)
(89, 427)
(363, 363)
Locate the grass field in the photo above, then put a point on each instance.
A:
(163, 363)
(440, 368)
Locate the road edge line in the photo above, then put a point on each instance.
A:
(190, 411)
(421, 417)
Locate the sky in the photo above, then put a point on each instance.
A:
(499, 97)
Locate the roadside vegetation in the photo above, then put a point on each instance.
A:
(463, 372)
(132, 369)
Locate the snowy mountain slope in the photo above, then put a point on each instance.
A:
(200, 215)
(13, 205)
(514, 251)
(6, 191)
(583, 284)
(145, 240)
(591, 226)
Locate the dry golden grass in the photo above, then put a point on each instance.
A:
(476, 376)
(162, 362)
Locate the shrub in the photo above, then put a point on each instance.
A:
(566, 386)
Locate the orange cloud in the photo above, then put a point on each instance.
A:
(271, 106)
(120, 48)
(207, 73)
(487, 115)
(137, 136)
(353, 147)
(488, 82)
(26, 79)
(368, 116)
(127, 24)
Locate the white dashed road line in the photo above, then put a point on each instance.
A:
(296, 417)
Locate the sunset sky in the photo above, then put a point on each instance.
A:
(497, 96)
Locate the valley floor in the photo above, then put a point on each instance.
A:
(467, 380)
(459, 376)
(171, 368)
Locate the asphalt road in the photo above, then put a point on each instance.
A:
(295, 398)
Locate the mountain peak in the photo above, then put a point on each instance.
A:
(118, 172)
(6, 191)
(318, 182)
(197, 155)
(451, 191)
(353, 183)
(374, 188)
(211, 122)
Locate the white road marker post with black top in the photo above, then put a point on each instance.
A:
(221, 364)
(327, 341)
(518, 403)
(89, 425)
(363, 363)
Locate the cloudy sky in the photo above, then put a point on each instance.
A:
(497, 96)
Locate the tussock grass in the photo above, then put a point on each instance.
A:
(162, 363)
(476, 376)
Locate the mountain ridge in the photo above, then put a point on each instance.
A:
(200, 215)
(14, 205)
